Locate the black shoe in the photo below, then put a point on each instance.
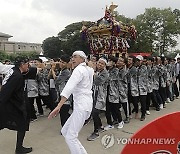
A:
(158, 109)
(127, 120)
(142, 118)
(23, 150)
(93, 137)
(33, 120)
(101, 129)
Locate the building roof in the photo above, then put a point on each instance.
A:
(5, 35)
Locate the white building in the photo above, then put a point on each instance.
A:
(16, 47)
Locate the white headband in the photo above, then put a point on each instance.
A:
(80, 53)
(139, 57)
(103, 59)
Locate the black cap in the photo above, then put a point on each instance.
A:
(65, 58)
(114, 59)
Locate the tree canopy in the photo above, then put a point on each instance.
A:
(157, 29)
(52, 47)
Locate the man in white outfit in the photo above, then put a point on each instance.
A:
(80, 85)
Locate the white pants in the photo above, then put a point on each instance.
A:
(71, 130)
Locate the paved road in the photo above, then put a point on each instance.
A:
(45, 138)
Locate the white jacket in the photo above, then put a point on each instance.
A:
(80, 85)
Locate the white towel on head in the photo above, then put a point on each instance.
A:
(80, 53)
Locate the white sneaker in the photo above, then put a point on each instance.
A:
(147, 112)
(121, 125)
(108, 127)
(168, 100)
(161, 106)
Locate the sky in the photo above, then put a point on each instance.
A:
(35, 20)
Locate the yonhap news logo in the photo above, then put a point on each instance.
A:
(108, 141)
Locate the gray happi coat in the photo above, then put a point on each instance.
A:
(163, 75)
(61, 81)
(43, 82)
(155, 75)
(100, 89)
(132, 81)
(169, 73)
(123, 87)
(142, 80)
(32, 88)
(173, 68)
(113, 92)
(150, 80)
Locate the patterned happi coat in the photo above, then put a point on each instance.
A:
(123, 85)
(132, 81)
(173, 71)
(32, 87)
(163, 75)
(169, 73)
(142, 80)
(100, 89)
(61, 81)
(113, 92)
(43, 82)
(155, 75)
(150, 79)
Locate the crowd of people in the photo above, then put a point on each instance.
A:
(120, 84)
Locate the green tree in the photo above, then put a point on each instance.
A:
(122, 18)
(52, 47)
(157, 29)
(3, 56)
(30, 55)
(72, 39)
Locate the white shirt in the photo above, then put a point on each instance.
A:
(177, 68)
(52, 84)
(80, 85)
(4, 69)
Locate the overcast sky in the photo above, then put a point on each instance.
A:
(35, 20)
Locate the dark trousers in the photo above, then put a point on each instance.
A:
(47, 101)
(134, 101)
(53, 95)
(112, 111)
(20, 139)
(64, 113)
(168, 93)
(32, 108)
(175, 89)
(158, 99)
(162, 92)
(39, 105)
(149, 98)
(96, 119)
(142, 99)
(125, 106)
(109, 114)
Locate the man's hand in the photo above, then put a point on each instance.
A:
(54, 112)
(57, 109)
